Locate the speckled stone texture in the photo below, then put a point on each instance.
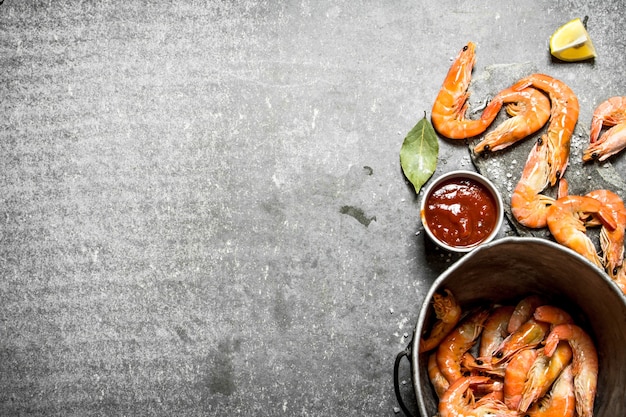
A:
(203, 211)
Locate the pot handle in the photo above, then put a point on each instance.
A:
(396, 383)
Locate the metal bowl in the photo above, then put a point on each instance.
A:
(470, 175)
(507, 270)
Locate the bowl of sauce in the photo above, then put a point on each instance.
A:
(461, 210)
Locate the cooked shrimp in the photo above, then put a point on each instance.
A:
(448, 313)
(439, 381)
(524, 310)
(561, 401)
(542, 374)
(493, 390)
(610, 143)
(563, 119)
(495, 330)
(529, 335)
(584, 361)
(608, 113)
(530, 110)
(448, 112)
(553, 315)
(515, 376)
(459, 401)
(612, 241)
(566, 227)
(481, 366)
(528, 205)
(460, 340)
(534, 377)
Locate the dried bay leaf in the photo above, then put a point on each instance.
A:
(419, 153)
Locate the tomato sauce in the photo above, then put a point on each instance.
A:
(461, 212)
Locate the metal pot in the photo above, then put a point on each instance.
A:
(507, 270)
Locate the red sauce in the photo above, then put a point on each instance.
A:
(461, 212)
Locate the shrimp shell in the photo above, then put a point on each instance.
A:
(584, 361)
(610, 143)
(561, 401)
(451, 350)
(564, 222)
(459, 401)
(608, 113)
(612, 241)
(495, 330)
(448, 313)
(515, 376)
(543, 372)
(563, 119)
(530, 110)
(523, 311)
(529, 335)
(448, 112)
(528, 205)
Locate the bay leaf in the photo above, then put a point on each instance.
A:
(419, 153)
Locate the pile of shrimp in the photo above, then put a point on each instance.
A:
(524, 359)
(533, 102)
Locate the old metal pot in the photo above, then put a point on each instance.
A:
(507, 270)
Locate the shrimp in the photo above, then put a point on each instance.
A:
(561, 401)
(495, 330)
(610, 143)
(529, 335)
(563, 119)
(523, 311)
(528, 205)
(493, 389)
(567, 228)
(480, 366)
(448, 112)
(612, 241)
(584, 361)
(530, 109)
(451, 350)
(437, 379)
(553, 315)
(543, 372)
(448, 313)
(515, 376)
(459, 401)
(608, 113)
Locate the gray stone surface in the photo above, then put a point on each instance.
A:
(203, 211)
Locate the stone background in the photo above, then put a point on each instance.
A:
(203, 211)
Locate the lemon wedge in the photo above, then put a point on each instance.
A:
(571, 42)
